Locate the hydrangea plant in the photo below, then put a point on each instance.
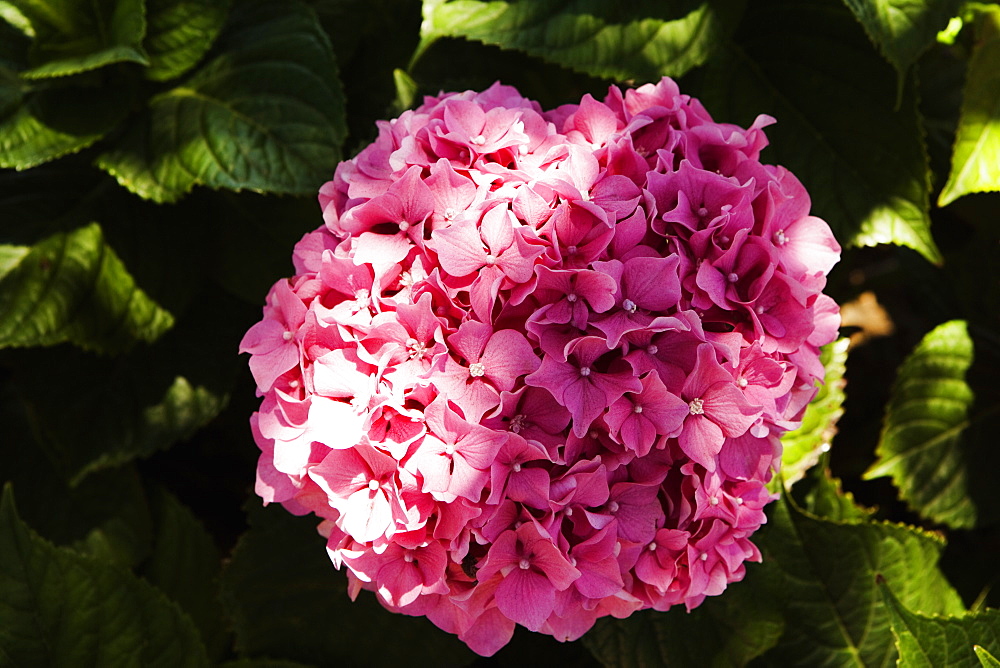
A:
(534, 366)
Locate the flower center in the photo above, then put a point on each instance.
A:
(449, 213)
(637, 409)
(490, 260)
(585, 371)
(652, 349)
(524, 564)
(571, 297)
(742, 382)
(373, 484)
(403, 226)
(629, 305)
(517, 423)
(516, 467)
(697, 406)
(780, 238)
(287, 336)
(732, 277)
(478, 140)
(477, 369)
(416, 348)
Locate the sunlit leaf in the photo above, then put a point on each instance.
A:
(72, 36)
(63, 608)
(921, 445)
(180, 33)
(640, 40)
(932, 641)
(976, 153)
(38, 124)
(858, 152)
(821, 576)
(72, 287)
(802, 447)
(903, 29)
(266, 114)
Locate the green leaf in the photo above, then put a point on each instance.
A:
(902, 29)
(823, 496)
(72, 36)
(641, 40)
(803, 447)
(985, 658)
(717, 633)
(287, 601)
(180, 33)
(820, 574)
(72, 287)
(976, 152)
(39, 124)
(921, 445)
(62, 608)
(186, 565)
(858, 152)
(266, 114)
(931, 641)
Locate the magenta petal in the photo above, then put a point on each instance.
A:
(701, 440)
(526, 597)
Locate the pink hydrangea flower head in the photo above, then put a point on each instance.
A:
(533, 367)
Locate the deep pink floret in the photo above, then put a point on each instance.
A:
(534, 367)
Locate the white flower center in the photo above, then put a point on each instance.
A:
(742, 382)
(287, 336)
(516, 467)
(373, 485)
(652, 547)
(704, 556)
(571, 297)
(739, 500)
(416, 348)
(697, 406)
(780, 238)
(637, 409)
(449, 213)
(652, 349)
(408, 557)
(477, 369)
(478, 140)
(490, 260)
(585, 371)
(713, 500)
(403, 226)
(524, 564)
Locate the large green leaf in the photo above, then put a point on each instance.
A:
(72, 287)
(287, 601)
(903, 29)
(926, 641)
(922, 445)
(266, 114)
(72, 36)
(977, 144)
(39, 123)
(640, 40)
(717, 633)
(840, 129)
(180, 33)
(820, 575)
(185, 564)
(803, 447)
(62, 608)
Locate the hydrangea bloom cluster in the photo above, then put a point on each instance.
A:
(534, 367)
